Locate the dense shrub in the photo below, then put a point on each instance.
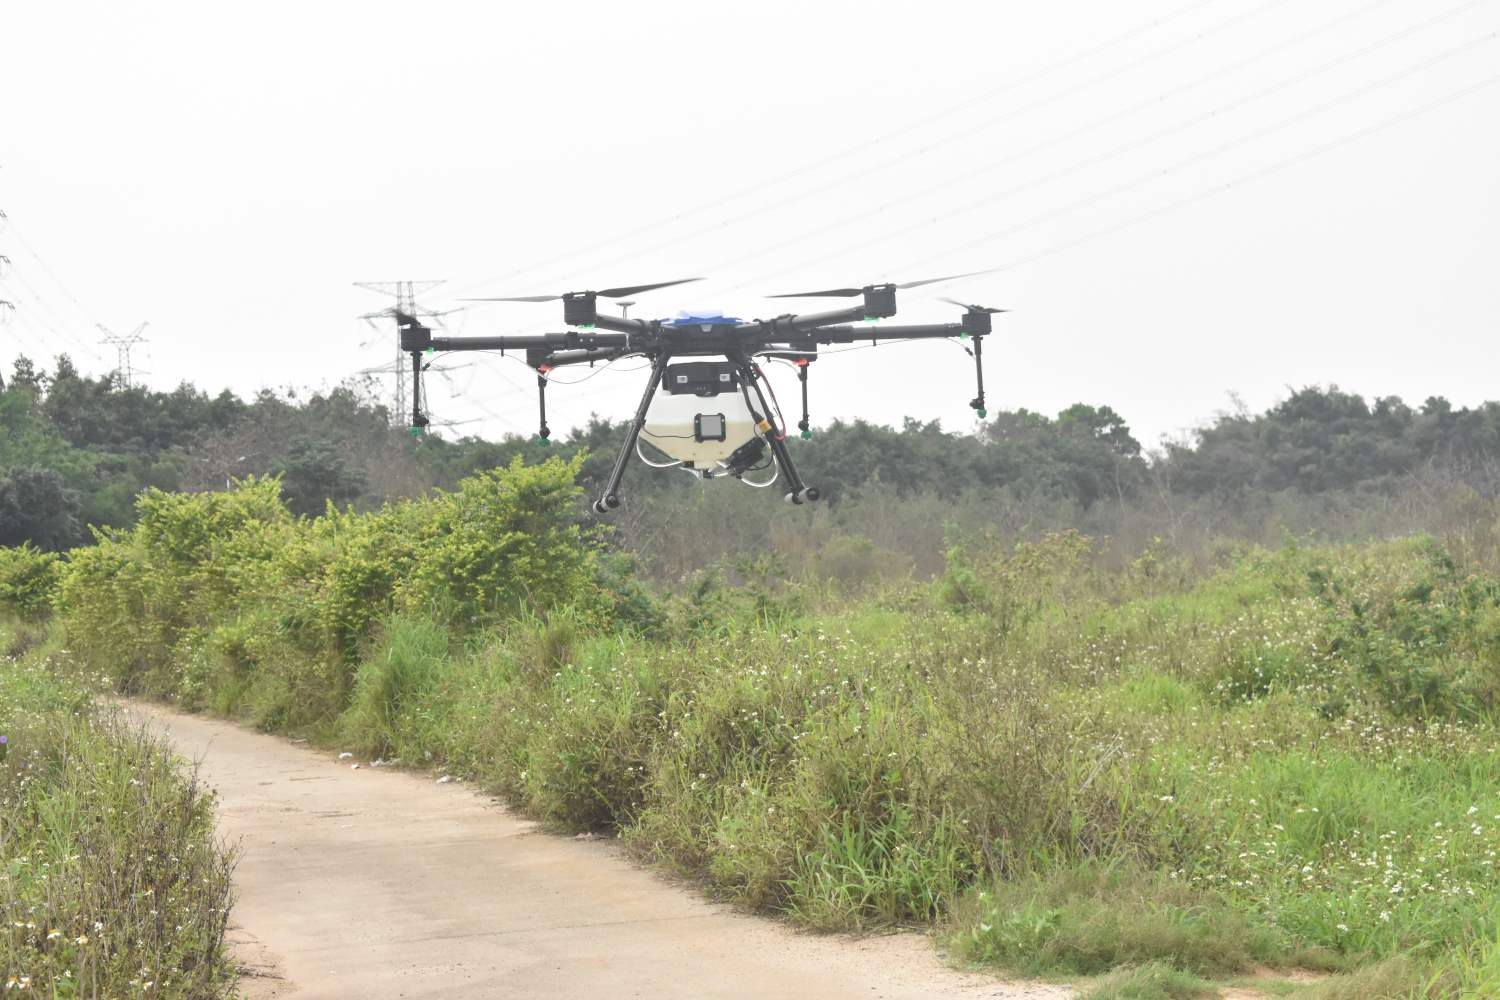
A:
(227, 599)
(28, 581)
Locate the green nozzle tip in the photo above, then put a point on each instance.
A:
(806, 435)
(963, 336)
(417, 432)
(544, 442)
(982, 412)
(431, 349)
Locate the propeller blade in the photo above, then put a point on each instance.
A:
(516, 298)
(609, 293)
(972, 308)
(933, 281)
(852, 292)
(618, 293)
(830, 293)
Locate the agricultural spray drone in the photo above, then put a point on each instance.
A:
(710, 415)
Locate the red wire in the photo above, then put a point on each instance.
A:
(781, 435)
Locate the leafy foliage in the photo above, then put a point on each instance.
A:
(37, 506)
(229, 596)
(97, 445)
(28, 581)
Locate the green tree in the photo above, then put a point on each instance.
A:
(314, 473)
(36, 506)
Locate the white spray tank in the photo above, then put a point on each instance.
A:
(699, 416)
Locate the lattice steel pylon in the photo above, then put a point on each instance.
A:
(7, 307)
(122, 346)
(405, 293)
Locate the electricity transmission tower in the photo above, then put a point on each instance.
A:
(6, 306)
(405, 293)
(122, 346)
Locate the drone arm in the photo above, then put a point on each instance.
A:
(620, 324)
(785, 326)
(522, 342)
(588, 355)
(875, 334)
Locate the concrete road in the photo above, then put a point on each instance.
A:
(381, 883)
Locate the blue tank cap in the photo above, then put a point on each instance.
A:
(703, 319)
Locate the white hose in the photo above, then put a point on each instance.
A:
(775, 474)
(655, 465)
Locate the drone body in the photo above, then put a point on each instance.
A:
(706, 405)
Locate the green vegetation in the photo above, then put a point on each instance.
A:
(1164, 771)
(78, 450)
(1086, 712)
(111, 881)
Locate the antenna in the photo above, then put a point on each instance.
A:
(405, 293)
(122, 346)
(625, 309)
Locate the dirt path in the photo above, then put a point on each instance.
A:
(378, 883)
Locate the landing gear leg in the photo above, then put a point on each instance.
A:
(800, 492)
(611, 498)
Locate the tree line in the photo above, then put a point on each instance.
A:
(77, 449)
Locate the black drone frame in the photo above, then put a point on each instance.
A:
(602, 338)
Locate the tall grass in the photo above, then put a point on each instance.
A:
(1210, 779)
(111, 881)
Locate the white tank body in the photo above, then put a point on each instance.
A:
(688, 428)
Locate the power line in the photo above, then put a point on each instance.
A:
(62, 330)
(1239, 181)
(1114, 118)
(964, 134)
(42, 300)
(1135, 182)
(845, 152)
(1097, 123)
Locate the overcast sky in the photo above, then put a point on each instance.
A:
(1187, 199)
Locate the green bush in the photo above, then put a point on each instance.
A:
(28, 581)
(226, 599)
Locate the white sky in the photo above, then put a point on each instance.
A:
(228, 175)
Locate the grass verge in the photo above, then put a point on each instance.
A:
(111, 882)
